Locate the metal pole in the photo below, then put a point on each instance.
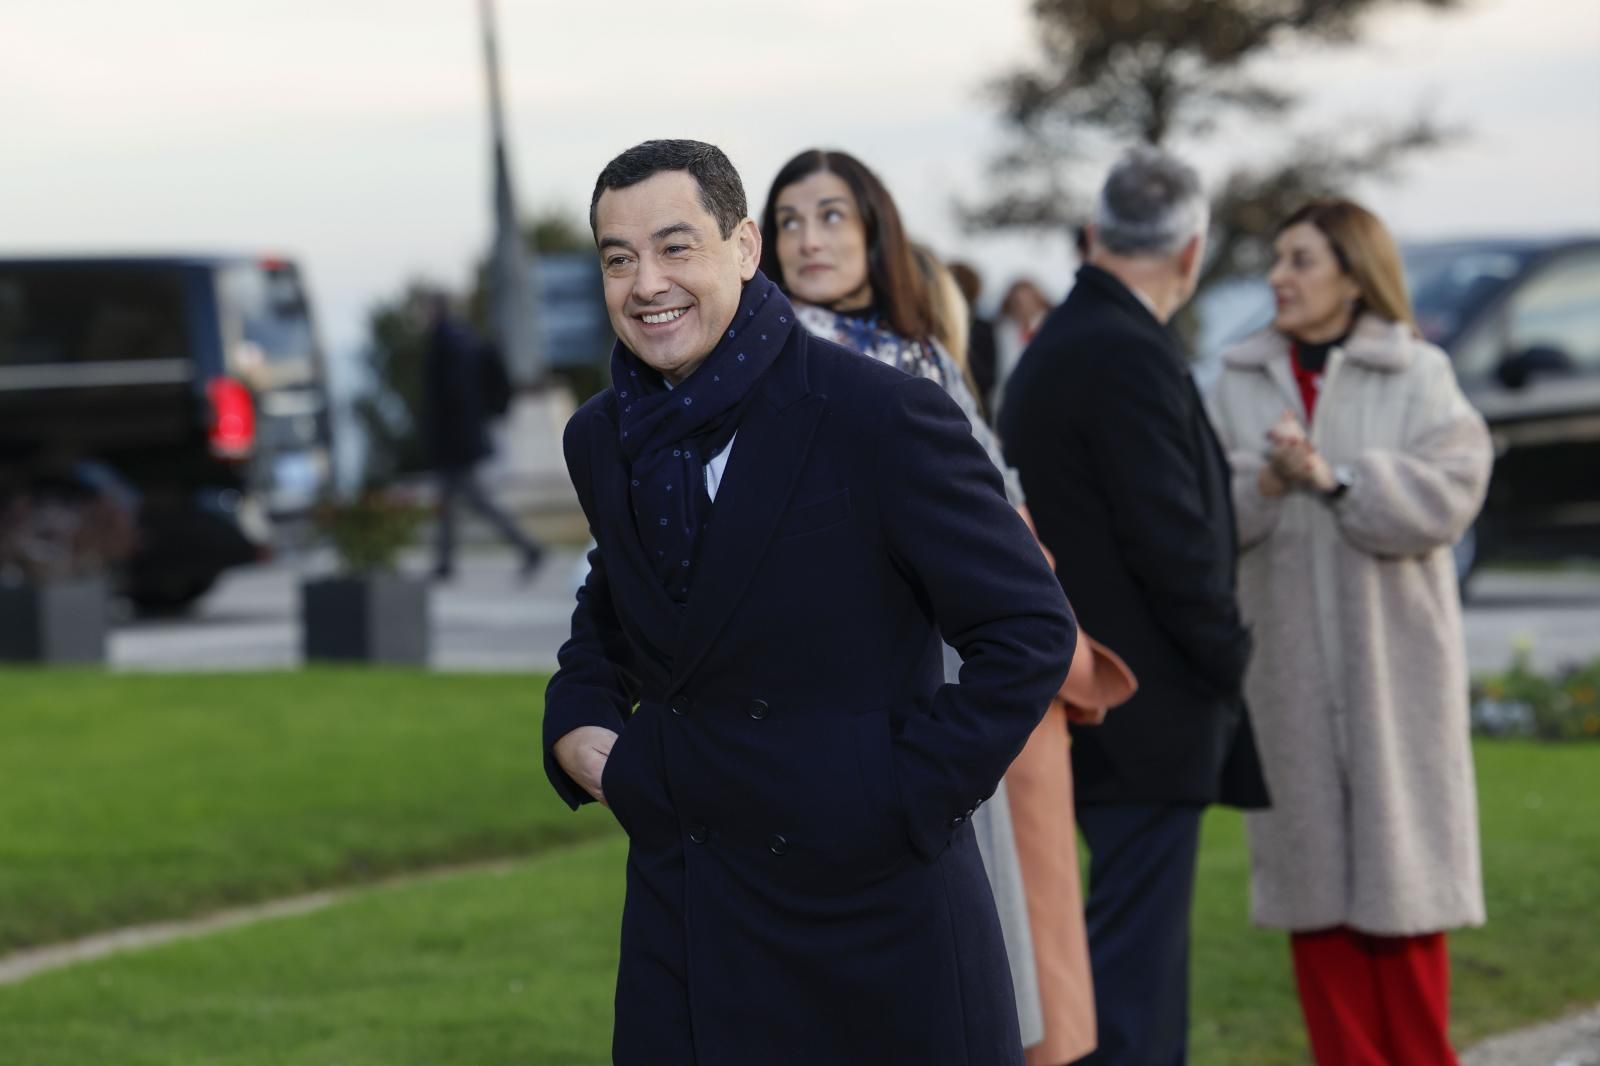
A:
(512, 279)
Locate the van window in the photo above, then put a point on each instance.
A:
(1560, 308)
(269, 308)
(53, 315)
(1448, 286)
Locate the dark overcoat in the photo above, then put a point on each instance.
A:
(795, 779)
(1132, 493)
(455, 423)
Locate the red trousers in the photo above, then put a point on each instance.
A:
(1374, 1000)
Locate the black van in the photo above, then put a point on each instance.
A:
(195, 382)
(1521, 321)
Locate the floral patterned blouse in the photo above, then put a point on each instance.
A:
(870, 336)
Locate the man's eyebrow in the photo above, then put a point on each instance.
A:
(615, 242)
(677, 227)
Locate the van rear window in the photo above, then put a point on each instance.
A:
(53, 315)
(271, 309)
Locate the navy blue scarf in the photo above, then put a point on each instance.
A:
(668, 435)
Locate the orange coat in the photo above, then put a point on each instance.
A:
(1039, 787)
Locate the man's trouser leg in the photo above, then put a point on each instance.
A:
(1141, 889)
(480, 501)
(444, 541)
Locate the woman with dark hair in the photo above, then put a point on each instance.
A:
(1357, 464)
(833, 240)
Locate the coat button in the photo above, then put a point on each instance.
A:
(681, 705)
(955, 822)
(759, 709)
(777, 845)
(699, 834)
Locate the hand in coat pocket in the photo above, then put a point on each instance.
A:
(583, 754)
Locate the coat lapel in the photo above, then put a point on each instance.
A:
(768, 454)
(655, 618)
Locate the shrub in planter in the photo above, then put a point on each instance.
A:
(368, 611)
(58, 543)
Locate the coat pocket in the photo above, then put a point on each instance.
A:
(815, 517)
(609, 779)
(885, 817)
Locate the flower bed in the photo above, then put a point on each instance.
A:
(1520, 702)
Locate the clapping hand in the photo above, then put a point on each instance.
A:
(1292, 460)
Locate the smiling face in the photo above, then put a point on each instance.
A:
(822, 243)
(672, 282)
(1314, 297)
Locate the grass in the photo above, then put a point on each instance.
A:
(132, 798)
(478, 970)
(1538, 956)
(497, 969)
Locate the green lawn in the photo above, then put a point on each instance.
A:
(1538, 957)
(492, 969)
(477, 970)
(130, 798)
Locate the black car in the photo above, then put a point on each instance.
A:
(194, 384)
(1520, 319)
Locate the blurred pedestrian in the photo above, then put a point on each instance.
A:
(459, 375)
(1130, 491)
(833, 238)
(1022, 312)
(1357, 464)
(753, 682)
(981, 356)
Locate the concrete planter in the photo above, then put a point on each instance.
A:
(55, 621)
(379, 618)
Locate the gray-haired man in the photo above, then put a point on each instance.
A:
(1130, 490)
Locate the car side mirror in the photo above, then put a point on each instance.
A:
(1517, 369)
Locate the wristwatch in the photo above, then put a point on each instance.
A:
(1341, 484)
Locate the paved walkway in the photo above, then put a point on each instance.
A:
(1571, 1041)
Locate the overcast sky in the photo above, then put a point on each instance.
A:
(351, 133)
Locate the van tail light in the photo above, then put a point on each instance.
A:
(233, 419)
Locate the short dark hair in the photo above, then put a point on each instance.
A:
(721, 191)
(898, 286)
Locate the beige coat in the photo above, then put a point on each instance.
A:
(1358, 686)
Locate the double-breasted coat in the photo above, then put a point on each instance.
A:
(795, 778)
(1359, 682)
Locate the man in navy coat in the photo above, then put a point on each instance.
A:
(754, 681)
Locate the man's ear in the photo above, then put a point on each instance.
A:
(747, 240)
(1189, 257)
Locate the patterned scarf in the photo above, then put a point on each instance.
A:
(669, 434)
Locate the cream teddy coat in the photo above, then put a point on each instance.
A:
(1358, 685)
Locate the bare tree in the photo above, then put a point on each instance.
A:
(1171, 72)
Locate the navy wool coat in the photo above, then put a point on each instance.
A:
(795, 779)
